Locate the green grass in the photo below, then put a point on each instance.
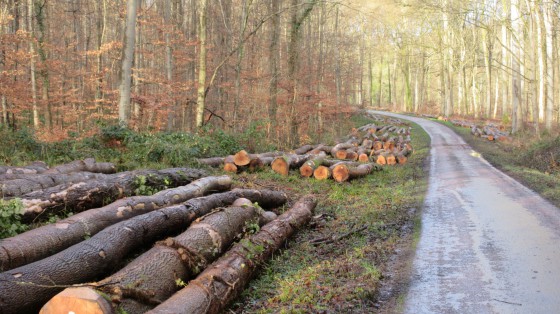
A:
(533, 162)
(343, 276)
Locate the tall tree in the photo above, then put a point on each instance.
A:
(201, 91)
(127, 57)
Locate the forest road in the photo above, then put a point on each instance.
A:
(488, 244)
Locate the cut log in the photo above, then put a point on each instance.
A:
(77, 300)
(241, 158)
(377, 145)
(282, 165)
(229, 164)
(33, 182)
(306, 170)
(321, 148)
(39, 243)
(152, 277)
(212, 161)
(342, 172)
(340, 147)
(389, 158)
(106, 189)
(363, 157)
(33, 168)
(322, 173)
(226, 278)
(86, 165)
(351, 155)
(98, 255)
(380, 159)
(304, 149)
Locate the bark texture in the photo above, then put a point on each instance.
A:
(151, 278)
(100, 254)
(106, 189)
(33, 168)
(39, 243)
(226, 278)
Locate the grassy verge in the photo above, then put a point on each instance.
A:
(533, 162)
(345, 275)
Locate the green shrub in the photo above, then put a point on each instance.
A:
(10, 218)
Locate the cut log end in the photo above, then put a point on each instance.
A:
(363, 158)
(242, 158)
(281, 166)
(230, 167)
(340, 173)
(322, 173)
(306, 171)
(77, 300)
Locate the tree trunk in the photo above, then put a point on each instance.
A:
(212, 290)
(516, 52)
(549, 33)
(274, 56)
(201, 91)
(39, 243)
(102, 191)
(127, 57)
(97, 255)
(32, 64)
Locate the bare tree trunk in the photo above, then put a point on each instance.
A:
(274, 56)
(101, 7)
(127, 57)
(201, 91)
(32, 64)
(338, 82)
(549, 33)
(40, 7)
(243, 26)
(169, 63)
(516, 52)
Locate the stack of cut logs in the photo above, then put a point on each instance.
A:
(367, 147)
(207, 240)
(490, 132)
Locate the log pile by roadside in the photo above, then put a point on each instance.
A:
(384, 142)
(489, 131)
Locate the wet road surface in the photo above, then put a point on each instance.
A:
(488, 244)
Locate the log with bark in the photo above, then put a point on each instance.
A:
(339, 150)
(41, 242)
(342, 172)
(33, 168)
(284, 164)
(152, 277)
(100, 254)
(106, 189)
(229, 164)
(306, 170)
(33, 182)
(226, 278)
(86, 165)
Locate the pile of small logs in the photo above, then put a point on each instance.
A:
(366, 148)
(94, 243)
(490, 131)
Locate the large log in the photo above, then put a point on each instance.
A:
(152, 277)
(106, 189)
(341, 172)
(306, 170)
(33, 168)
(226, 278)
(39, 243)
(28, 183)
(98, 255)
(283, 164)
(86, 165)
